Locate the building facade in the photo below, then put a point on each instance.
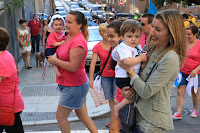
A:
(10, 21)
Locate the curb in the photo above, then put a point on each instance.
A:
(101, 110)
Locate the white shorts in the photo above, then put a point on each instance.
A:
(23, 50)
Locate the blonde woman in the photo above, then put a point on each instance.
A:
(102, 50)
(166, 52)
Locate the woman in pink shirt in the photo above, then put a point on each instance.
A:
(191, 68)
(10, 95)
(73, 83)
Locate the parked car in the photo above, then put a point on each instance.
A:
(80, 9)
(94, 38)
(74, 3)
(88, 6)
(73, 7)
(124, 15)
(95, 8)
(87, 15)
(62, 13)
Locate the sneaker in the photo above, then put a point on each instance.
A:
(177, 116)
(194, 114)
(108, 125)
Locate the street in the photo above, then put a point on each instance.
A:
(32, 78)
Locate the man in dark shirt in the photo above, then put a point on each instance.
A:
(35, 28)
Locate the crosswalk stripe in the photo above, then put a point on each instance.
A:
(74, 131)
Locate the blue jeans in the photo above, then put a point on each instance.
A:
(35, 39)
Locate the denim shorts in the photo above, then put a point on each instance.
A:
(109, 87)
(185, 82)
(73, 97)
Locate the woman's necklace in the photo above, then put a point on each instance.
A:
(60, 36)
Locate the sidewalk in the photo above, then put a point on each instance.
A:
(41, 97)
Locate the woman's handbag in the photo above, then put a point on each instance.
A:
(97, 76)
(128, 113)
(7, 116)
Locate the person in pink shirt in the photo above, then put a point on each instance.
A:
(190, 68)
(55, 38)
(10, 95)
(73, 82)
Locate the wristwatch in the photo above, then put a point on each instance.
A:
(130, 72)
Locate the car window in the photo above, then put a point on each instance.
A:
(94, 35)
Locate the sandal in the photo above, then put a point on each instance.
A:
(29, 67)
(108, 125)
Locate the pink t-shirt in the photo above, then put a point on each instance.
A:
(192, 59)
(54, 37)
(63, 52)
(142, 40)
(103, 55)
(9, 70)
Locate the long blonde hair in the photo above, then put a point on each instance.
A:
(173, 20)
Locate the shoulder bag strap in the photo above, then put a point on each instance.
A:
(146, 79)
(106, 61)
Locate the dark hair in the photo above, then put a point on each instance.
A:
(130, 26)
(21, 21)
(116, 26)
(193, 28)
(185, 16)
(81, 19)
(44, 21)
(149, 16)
(34, 15)
(4, 38)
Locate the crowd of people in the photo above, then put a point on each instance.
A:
(140, 59)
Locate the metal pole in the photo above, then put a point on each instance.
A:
(133, 5)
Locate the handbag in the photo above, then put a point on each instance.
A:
(97, 76)
(128, 113)
(7, 115)
(100, 72)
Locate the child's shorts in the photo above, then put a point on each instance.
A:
(122, 82)
(50, 51)
(73, 97)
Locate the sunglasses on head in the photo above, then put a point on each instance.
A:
(143, 24)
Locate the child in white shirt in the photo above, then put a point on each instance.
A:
(130, 55)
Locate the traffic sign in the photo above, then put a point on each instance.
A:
(121, 3)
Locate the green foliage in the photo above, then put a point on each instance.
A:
(14, 3)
